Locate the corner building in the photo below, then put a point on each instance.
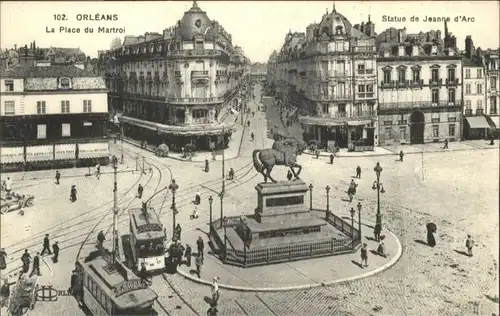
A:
(420, 87)
(177, 87)
(52, 117)
(328, 76)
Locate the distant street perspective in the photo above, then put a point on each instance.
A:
(351, 173)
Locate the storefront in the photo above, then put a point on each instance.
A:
(65, 152)
(11, 155)
(494, 122)
(39, 157)
(476, 127)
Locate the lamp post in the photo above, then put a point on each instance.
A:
(380, 189)
(115, 210)
(173, 187)
(310, 197)
(223, 189)
(121, 141)
(225, 238)
(327, 202)
(359, 219)
(210, 201)
(352, 225)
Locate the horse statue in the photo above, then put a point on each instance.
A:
(283, 153)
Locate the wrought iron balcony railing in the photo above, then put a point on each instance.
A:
(417, 104)
(433, 82)
(195, 100)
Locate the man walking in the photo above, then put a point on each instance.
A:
(289, 175)
(469, 244)
(58, 176)
(445, 144)
(98, 171)
(3, 259)
(140, 190)
(199, 263)
(201, 246)
(364, 256)
(188, 255)
(25, 258)
(358, 172)
(331, 158)
(55, 249)
(401, 155)
(100, 239)
(46, 245)
(36, 265)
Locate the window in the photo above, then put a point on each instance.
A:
(435, 75)
(200, 113)
(401, 75)
(65, 106)
(87, 106)
(493, 105)
(479, 104)
(387, 76)
(468, 88)
(435, 120)
(402, 133)
(479, 74)
(468, 104)
(369, 88)
(325, 109)
(435, 96)
(40, 107)
(387, 122)
(416, 75)
(361, 88)
(64, 82)
(493, 83)
(451, 74)
(10, 108)
(452, 119)
(361, 67)
(467, 73)
(435, 131)
(451, 95)
(41, 131)
(9, 85)
(66, 130)
(451, 130)
(388, 133)
(479, 88)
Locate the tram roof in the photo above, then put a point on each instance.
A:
(146, 228)
(110, 281)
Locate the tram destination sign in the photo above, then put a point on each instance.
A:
(151, 227)
(129, 286)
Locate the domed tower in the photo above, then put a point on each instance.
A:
(335, 24)
(194, 22)
(369, 28)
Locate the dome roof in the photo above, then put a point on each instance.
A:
(195, 21)
(333, 22)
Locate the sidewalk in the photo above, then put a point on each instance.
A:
(295, 275)
(233, 150)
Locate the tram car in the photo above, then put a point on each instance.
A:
(147, 239)
(104, 288)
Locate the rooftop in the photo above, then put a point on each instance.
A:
(44, 72)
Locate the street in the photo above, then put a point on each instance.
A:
(458, 191)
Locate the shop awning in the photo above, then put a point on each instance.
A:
(320, 121)
(358, 123)
(477, 122)
(494, 122)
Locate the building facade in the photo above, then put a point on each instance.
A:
(327, 75)
(52, 116)
(491, 61)
(177, 87)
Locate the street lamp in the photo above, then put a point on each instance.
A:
(380, 189)
(359, 219)
(173, 187)
(225, 238)
(352, 225)
(210, 201)
(310, 197)
(327, 201)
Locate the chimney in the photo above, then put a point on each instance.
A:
(15, 47)
(362, 27)
(469, 46)
(434, 49)
(401, 50)
(415, 50)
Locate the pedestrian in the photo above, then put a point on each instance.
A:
(207, 168)
(4, 293)
(140, 190)
(364, 256)
(401, 155)
(469, 244)
(231, 174)
(317, 153)
(331, 158)
(3, 261)
(55, 249)
(8, 185)
(289, 175)
(197, 198)
(46, 245)
(252, 136)
(200, 245)
(248, 123)
(195, 213)
(25, 258)
(253, 113)
(199, 263)
(36, 265)
(100, 239)
(188, 254)
(492, 140)
(180, 253)
(376, 232)
(215, 291)
(178, 231)
(98, 171)
(445, 144)
(381, 247)
(358, 172)
(58, 176)
(72, 195)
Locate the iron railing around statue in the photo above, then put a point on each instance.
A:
(283, 253)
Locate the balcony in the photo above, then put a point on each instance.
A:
(417, 84)
(195, 100)
(365, 95)
(366, 71)
(365, 49)
(403, 84)
(387, 84)
(417, 104)
(195, 53)
(333, 98)
(199, 77)
(435, 83)
(452, 82)
(345, 115)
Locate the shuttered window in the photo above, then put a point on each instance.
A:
(66, 130)
(41, 131)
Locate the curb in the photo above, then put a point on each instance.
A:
(393, 154)
(385, 266)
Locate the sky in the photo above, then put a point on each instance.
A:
(259, 27)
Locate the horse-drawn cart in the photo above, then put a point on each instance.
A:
(24, 295)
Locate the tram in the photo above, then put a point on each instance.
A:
(111, 289)
(147, 239)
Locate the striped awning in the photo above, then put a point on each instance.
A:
(320, 121)
(188, 130)
(358, 123)
(495, 122)
(477, 122)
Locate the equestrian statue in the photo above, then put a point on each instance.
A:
(283, 153)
